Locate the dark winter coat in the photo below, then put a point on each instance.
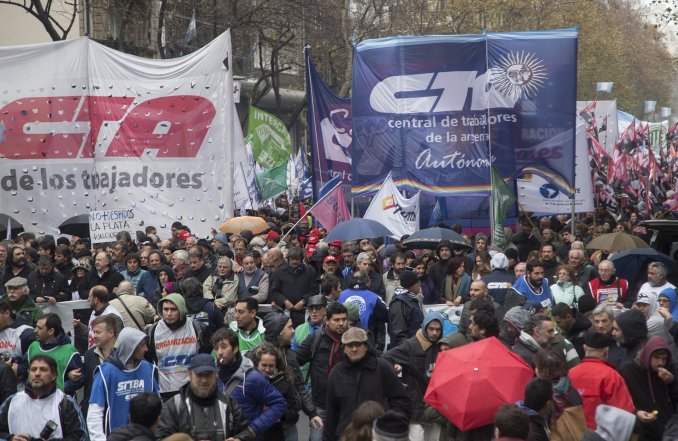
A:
(284, 385)
(649, 393)
(499, 282)
(320, 358)
(110, 279)
(53, 284)
(351, 384)
(577, 333)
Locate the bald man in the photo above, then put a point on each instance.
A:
(479, 295)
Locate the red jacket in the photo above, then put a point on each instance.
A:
(599, 383)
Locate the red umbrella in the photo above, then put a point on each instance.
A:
(470, 383)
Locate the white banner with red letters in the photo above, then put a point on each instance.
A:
(84, 127)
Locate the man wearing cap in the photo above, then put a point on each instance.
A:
(417, 357)
(219, 243)
(330, 265)
(359, 378)
(22, 304)
(317, 307)
(597, 381)
(373, 310)
(646, 302)
(500, 280)
(174, 340)
(201, 410)
(292, 286)
(120, 377)
(272, 239)
(406, 311)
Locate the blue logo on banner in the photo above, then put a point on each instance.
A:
(549, 191)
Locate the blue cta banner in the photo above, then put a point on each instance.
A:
(438, 110)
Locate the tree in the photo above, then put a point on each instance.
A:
(56, 17)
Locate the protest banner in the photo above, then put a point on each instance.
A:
(104, 225)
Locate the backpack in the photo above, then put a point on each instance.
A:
(570, 426)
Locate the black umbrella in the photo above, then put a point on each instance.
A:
(629, 263)
(76, 226)
(8, 221)
(431, 237)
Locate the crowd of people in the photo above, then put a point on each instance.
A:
(231, 337)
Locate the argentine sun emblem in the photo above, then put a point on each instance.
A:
(518, 75)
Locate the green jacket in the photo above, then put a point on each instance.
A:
(27, 309)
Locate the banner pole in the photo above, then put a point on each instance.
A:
(489, 143)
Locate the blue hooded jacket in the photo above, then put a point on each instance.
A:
(670, 294)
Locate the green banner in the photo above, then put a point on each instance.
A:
(272, 182)
(502, 198)
(271, 143)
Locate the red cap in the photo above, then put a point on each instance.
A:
(312, 240)
(183, 235)
(310, 249)
(315, 233)
(335, 243)
(330, 259)
(272, 235)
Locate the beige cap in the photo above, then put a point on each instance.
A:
(16, 282)
(354, 335)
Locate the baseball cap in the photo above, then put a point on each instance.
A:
(310, 249)
(202, 363)
(644, 299)
(354, 335)
(312, 240)
(183, 235)
(330, 259)
(334, 243)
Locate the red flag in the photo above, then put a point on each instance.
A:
(331, 209)
(302, 210)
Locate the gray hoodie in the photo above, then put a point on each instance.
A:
(614, 424)
(127, 343)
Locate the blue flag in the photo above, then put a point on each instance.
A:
(437, 111)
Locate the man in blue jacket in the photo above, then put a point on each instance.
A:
(373, 310)
(259, 400)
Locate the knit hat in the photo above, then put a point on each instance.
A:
(274, 322)
(499, 261)
(517, 316)
(596, 340)
(391, 426)
(178, 301)
(353, 311)
(222, 238)
(408, 279)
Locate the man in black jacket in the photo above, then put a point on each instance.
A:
(360, 377)
(47, 285)
(406, 311)
(500, 280)
(103, 274)
(574, 325)
(322, 349)
(292, 286)
(416, 356)
(201, 410)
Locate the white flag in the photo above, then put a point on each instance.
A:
(392, 210)
(604, 87)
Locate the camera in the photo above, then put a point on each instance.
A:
(47, 431)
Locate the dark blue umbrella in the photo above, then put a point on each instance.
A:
(431, 237)
(357, 228)
(629, 263)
